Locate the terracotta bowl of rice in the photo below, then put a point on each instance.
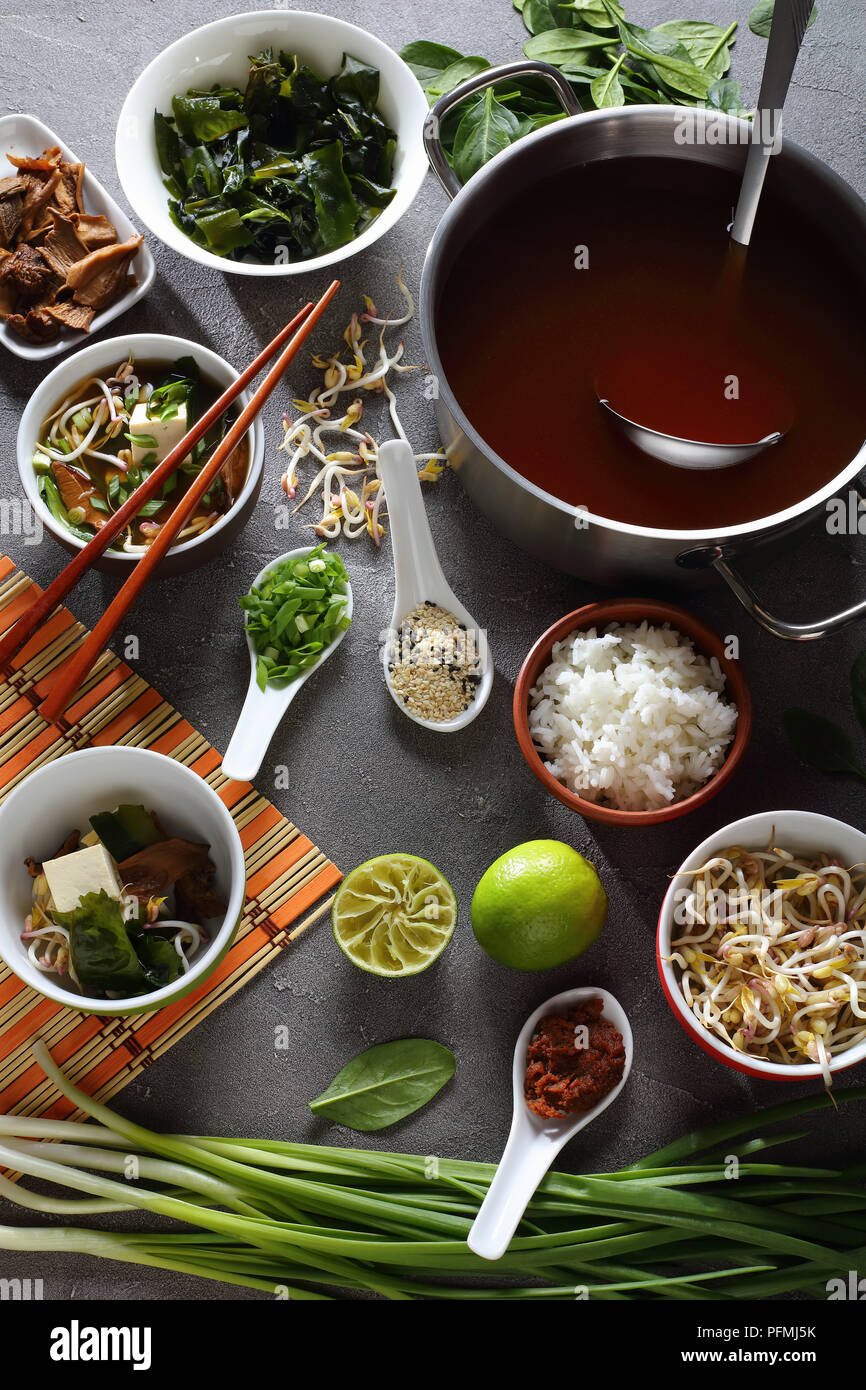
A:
(632, 712)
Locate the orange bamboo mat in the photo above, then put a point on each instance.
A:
(286, 874)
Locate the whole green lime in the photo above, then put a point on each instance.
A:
(538, 906)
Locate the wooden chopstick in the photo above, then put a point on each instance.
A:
(76, 668)
(117, 521)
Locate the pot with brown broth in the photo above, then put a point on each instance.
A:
(593, 259)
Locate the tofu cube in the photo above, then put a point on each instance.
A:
(88, 870)
(164, 433)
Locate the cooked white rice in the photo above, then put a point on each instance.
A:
(632, 718)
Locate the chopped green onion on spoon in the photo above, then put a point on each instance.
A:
(295, 613)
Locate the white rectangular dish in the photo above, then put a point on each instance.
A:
(26, 135)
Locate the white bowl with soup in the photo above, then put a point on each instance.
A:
(154, 355)
(37, 817)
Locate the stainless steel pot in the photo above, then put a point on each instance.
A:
(570, 539)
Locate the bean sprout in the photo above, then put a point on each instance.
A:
(348, 509)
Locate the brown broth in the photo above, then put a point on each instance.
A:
(660, 320)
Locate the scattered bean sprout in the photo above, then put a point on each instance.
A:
(773, 961)
(348, 479)
(187, 935)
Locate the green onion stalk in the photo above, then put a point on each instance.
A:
(305, 1221)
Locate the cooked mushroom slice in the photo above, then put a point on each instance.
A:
(36, 326)
(13, 183)
(62, 247)
(68, 195)
(28, 273)
(94, 230)
(77, 491)
(36, 164)
(152, 871)
(233, 473)
(10, 217)
(71, 315)
(39, 192)
(101, 276)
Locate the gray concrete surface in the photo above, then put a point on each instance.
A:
(363, 779)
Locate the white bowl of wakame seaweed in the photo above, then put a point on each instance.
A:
(218, 56)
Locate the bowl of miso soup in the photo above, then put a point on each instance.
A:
(104, 419)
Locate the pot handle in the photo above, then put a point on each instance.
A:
(793, 632)
(525, 67)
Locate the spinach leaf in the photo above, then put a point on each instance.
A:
(595, 14)
(725, 96)
(820, 742)
(607, 90)
(452, 76)
(561, 46)
(486, 128)
(707, 45)
(668, 57)
(102, 954)
(527, 124)
(541, 15)
(385, 1083)
(428, 59)
(761, 18)
(639, 90)
(608, 62)
(858, 687)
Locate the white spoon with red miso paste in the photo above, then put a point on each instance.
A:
(534, 1142)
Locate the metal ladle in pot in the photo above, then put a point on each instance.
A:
(790, 20)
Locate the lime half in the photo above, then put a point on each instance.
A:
(394, 915)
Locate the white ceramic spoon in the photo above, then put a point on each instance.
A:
(418, 575)
(264, 709)
(534, 1142)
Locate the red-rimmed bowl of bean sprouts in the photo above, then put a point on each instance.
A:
(761, 945)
